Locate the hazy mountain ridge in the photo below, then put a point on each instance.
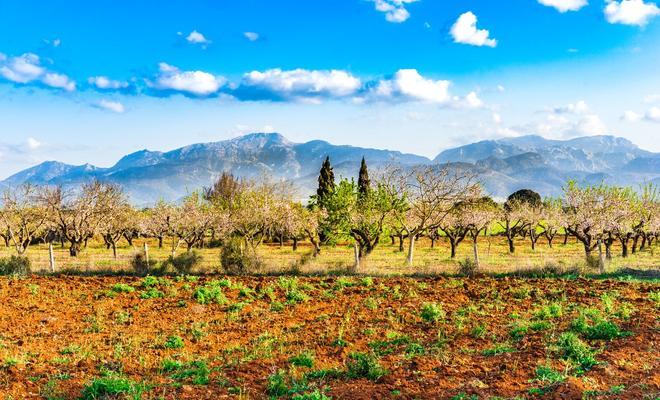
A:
(503, 165)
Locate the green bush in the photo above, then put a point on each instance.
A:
(173, 342)
(15, 265)
(140, 265)
(111, 387)
(364, 365)
(122, 288)
(572, 348)
(467, 267)
(305, 359)
(184, 263)
(235, 259)
(432, 312)
(210, 293)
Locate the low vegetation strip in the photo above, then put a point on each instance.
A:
(209, 337)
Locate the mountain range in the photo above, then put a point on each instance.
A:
(503, 165)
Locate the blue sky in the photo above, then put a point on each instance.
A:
(91, 81)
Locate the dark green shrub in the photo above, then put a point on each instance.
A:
(235, 259)
(184, 262)
(111, 387)
(432, 312)
(467, 267)
(364, 365)
(15, 265)
(140, 265)
(305, 359)
(572, 348)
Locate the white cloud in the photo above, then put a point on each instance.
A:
(32, 143)
(251, 36)
(59, 81)
(409, 84)
(497, 118)
(630, 12)
(579, 107)
(302, 83)
(395, 10)
(473, 101)
(590, 124)
(465, 31)
(500, 88)
(27, 68)
(103, 82)
(631, 116)
(197, 38)
(3, 57)
(564, 5)
(571, 120)
(113, 106)
(198, 83)
(57, 43)
(23, 69)
(653, 114)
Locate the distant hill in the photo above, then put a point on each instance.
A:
(503, 165)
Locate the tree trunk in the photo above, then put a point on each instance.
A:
(634, 246)
(432, 242)
(74, 249)
(356, 252)
(643, 245)
(587, 250)
(476, 250)
(114, 250)
(160, 242)
(601, 259)
(401, 243)
(51, 257)
(565, 238)
(452, 245)
(295, 243)
(392, 239)
(512, 247)
(281, 238)
(146, 253)
(411, 249)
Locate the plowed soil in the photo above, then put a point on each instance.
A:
(487, 337)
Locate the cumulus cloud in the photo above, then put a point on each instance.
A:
(564, 5)
(23, 69)
(113, 106)
(197, 38)
(32, 143)
(631, 116)
(653, 114)
(395, 10)
(298, 84)
(574, 119)
(27, 68)
(251, 36)
(630, 12)
(103, 82)
(197, 83)
(59, 81)
(579, 107)
(410, 85)
(465, 31)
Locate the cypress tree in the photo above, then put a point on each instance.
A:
(363, 180)
(326, 181)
